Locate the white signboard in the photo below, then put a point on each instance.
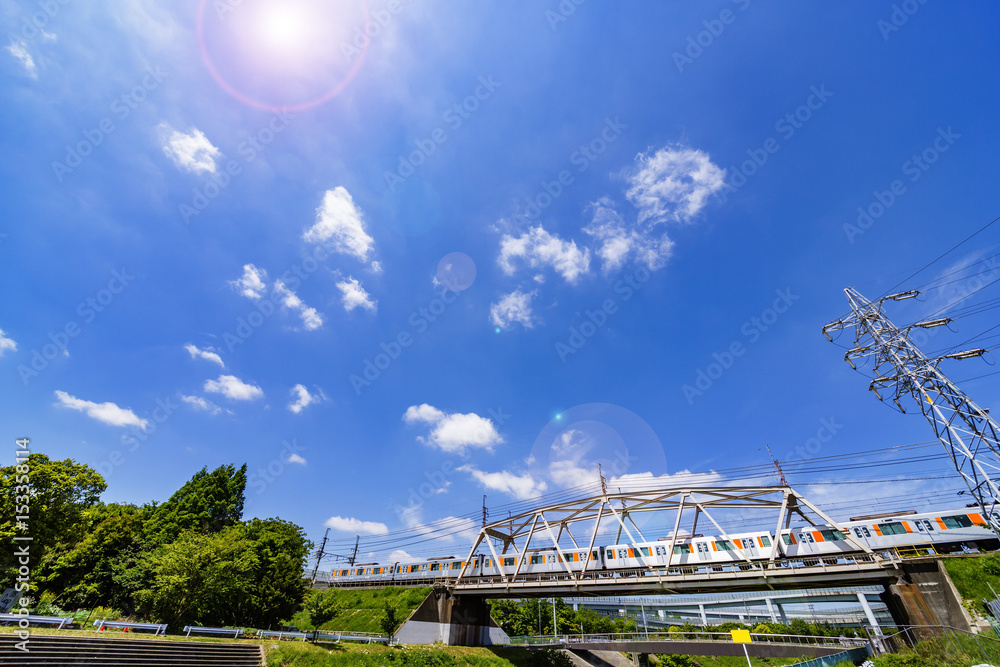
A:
(7, 600)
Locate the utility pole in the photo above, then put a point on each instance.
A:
(354, 556)
(966, 431)
(319, 556)
(781, 474)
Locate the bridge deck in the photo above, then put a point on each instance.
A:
(783, 573)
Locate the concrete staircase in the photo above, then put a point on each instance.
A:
(54, 650)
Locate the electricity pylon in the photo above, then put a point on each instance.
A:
(966, 430)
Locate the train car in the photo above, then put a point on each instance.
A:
(945, 531)
(690, 551)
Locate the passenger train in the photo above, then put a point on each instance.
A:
(940, 532)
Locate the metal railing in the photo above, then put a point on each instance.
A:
(721, 637)
(908, 636)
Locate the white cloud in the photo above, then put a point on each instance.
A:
(204, 404)
(673, 184)
(400, 556)
(209, 354)
(109, 413)
(568, 465)
(252, 283)
(295, 458)
(513, 307)
(454, 433)
(6, 344)
(521, 487)
(191, 152)
(350, 525)
(303, 399)
(311, 319)
(643, 481)
(339, 220)
(376, 267)
(354, 295)
(19, 50)
(537, 247)
(233, 388)
(618, 242)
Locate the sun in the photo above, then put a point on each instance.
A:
(283, 28)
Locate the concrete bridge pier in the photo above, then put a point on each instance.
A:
(453, 620)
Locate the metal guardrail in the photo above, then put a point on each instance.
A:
(721, 637)
(354, 637)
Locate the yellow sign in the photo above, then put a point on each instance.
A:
(741, 636)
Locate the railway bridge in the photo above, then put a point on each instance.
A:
(457, 611)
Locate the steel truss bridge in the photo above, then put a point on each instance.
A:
(576, 524)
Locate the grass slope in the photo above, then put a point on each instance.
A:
(344, 655)
(725, 661)
(971, 580)
(362, 610)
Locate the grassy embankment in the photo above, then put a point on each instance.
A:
(362, 610)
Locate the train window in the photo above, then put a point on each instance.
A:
(456, 565)
(919, 525)
(725, 545)
(864, 529)
(928, 525)
(832, 535)
(662, 551)
(766, 540)
(787, 539)
(507, 562)
(958, 521)
(623, 553)
(611, 554)
(644, 550)
(806, 537)
(535, 560)
(682, 548)
(593, 556)
(892, 528)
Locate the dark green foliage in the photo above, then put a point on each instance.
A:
(675, 661)
(389, 621)
(189, 560)
(990, 564)
(208, 502)
(55, 496)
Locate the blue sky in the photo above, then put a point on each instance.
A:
(404, 254)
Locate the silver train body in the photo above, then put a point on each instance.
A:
(941, 531)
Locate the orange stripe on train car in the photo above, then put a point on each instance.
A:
(941, 523)
(760, 541)
(818, 536)
(977, 519)
(714, 548)
(907, 527)
(877, 531)
(631, 553)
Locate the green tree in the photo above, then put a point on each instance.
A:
(246, 575)
(322, 608)
(389, 621)
(54, 495)
(104, 566)
(208, 502)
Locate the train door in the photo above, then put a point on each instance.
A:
(862, 534)
(749, 546)
(704, 552)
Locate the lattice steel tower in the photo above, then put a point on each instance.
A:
(966, 430)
